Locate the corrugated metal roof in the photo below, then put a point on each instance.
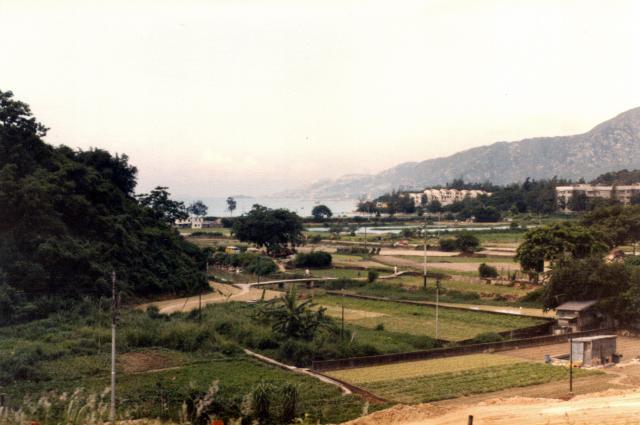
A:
(576, 305)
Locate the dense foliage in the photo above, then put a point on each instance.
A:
(251, 263)
(70, 217)
(274, 229)
(321, 212)
(557, 241)
(465, 242)
(313, 259)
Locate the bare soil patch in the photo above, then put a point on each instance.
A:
(144, 361)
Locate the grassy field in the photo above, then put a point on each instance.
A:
(466, 382)
(162, 363)
(455, 325)
(404, 370)
(458, 284)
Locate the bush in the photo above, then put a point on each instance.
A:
(313, 259)
(487, 271)
(352, 250)
(252, 263)
(343, 283)
(379, 327)
(487, 337)
(372, 276)
(467, 242)
(448, 245)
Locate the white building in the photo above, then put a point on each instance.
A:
(446, 196)
(622, 193)
(191, 222)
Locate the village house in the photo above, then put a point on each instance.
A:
(577, 316)
(192, 222)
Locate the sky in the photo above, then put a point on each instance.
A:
(217, 98)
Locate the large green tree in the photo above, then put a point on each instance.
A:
(557, 241)
(321, 212)
(618, 224)
(69, 218)
(274, 229)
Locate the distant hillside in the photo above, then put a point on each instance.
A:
(612, 145)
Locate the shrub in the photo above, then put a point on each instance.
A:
(448, 245)
(487, 337)
(372, 276)
(467, 242)
(379, 327)
(315, 239)
(313, 259)
(487, 271)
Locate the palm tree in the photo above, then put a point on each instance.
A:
(294, 319)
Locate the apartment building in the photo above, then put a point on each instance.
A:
(622, 193)
(445, 196)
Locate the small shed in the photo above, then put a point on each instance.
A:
(594, 350)
(232, 250)
(576, 316)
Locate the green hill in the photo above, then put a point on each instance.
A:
(69, 217)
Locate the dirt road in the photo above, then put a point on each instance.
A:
(609, 407)
(221, 293)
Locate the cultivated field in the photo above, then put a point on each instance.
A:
(454, 325)
(422, 389)
(404, 370)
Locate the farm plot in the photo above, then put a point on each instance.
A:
(454, 325)
(459, 283)
(420, 368)
(448, 385)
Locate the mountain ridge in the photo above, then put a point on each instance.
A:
(609, 146)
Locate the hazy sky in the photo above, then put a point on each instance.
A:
(215, 98)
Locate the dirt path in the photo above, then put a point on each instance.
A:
(609, 407)
(302, 371)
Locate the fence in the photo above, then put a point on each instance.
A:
(353, 362)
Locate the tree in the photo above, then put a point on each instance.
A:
(274, 229)
(231, 205)
(487, 271)
(467, 242)
(578, 202)
(70, 218)
(584, 279)
(162, 206)
(294, 319)
(486, 214)
(557, 241)
(434, 206)
(635, 199)
(321, 212)
(618, 224)
(197, 208)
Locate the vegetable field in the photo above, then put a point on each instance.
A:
(367, 375)
(474, 381)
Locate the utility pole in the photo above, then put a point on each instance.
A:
(571, 365)
(437, 305)
(424, 274)
(342, 329)
(114, 307)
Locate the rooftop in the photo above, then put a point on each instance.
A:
(576, 305)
